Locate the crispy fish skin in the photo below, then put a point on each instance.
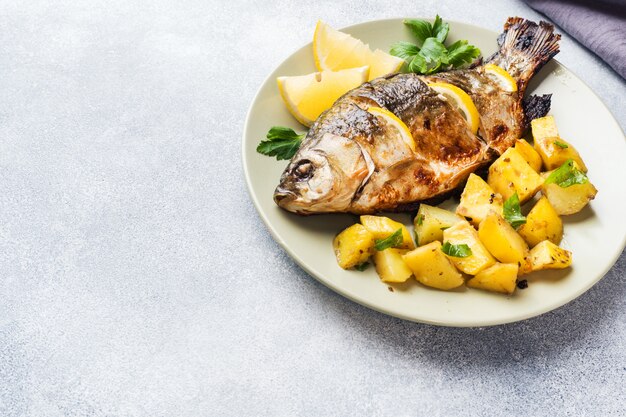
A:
(353, 161)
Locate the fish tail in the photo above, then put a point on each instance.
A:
(535, 106)
(525, 47)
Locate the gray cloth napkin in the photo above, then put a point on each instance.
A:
(599, 25)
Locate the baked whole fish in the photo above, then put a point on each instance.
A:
(353, 161)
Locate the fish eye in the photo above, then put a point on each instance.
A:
(303, 170)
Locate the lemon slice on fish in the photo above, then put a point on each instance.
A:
(307, 96)
(461, 100)
(505, 80)
(334, 50)
(394, 121)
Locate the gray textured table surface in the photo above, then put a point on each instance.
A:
(136, 278)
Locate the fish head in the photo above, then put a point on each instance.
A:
(324, 176)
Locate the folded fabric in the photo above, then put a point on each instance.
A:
(599, 25)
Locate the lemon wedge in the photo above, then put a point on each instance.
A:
(334, 50)
(461, 100)
(503, 78)
(394, 121)
(307, 96)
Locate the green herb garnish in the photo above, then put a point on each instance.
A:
(440, 29)
(419, 219)
(561, 144)
(513, 212)
(567, 175)
(461, 53)
(404, 50)
(392, 241)
(282, 142)
(458, 251)
(362, 267)
(429, 54)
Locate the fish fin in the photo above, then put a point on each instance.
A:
(525, 47)
(451, 193)
(371, 168)
(535, 106)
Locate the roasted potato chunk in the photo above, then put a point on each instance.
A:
(432, 267)
(554, 150)
(390, 265)
(498, 278)
(542, 223)
(529, 153)
(353, 246)
(504, 243)
(525, 267)
(478, 200)
(547, 255)
(568, 200)
(430, 222)
(543, 127)
(464, 233)
(510, 173)
(382, 227)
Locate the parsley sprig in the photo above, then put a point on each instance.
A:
(567, 175)
(458, 251)
(282, 142)
(392, 241)
(429, 54)
(561, 144)
(513, 212)
(362, 267)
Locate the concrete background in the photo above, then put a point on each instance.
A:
(136, 278)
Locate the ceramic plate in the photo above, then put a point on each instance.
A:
(596, 235)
